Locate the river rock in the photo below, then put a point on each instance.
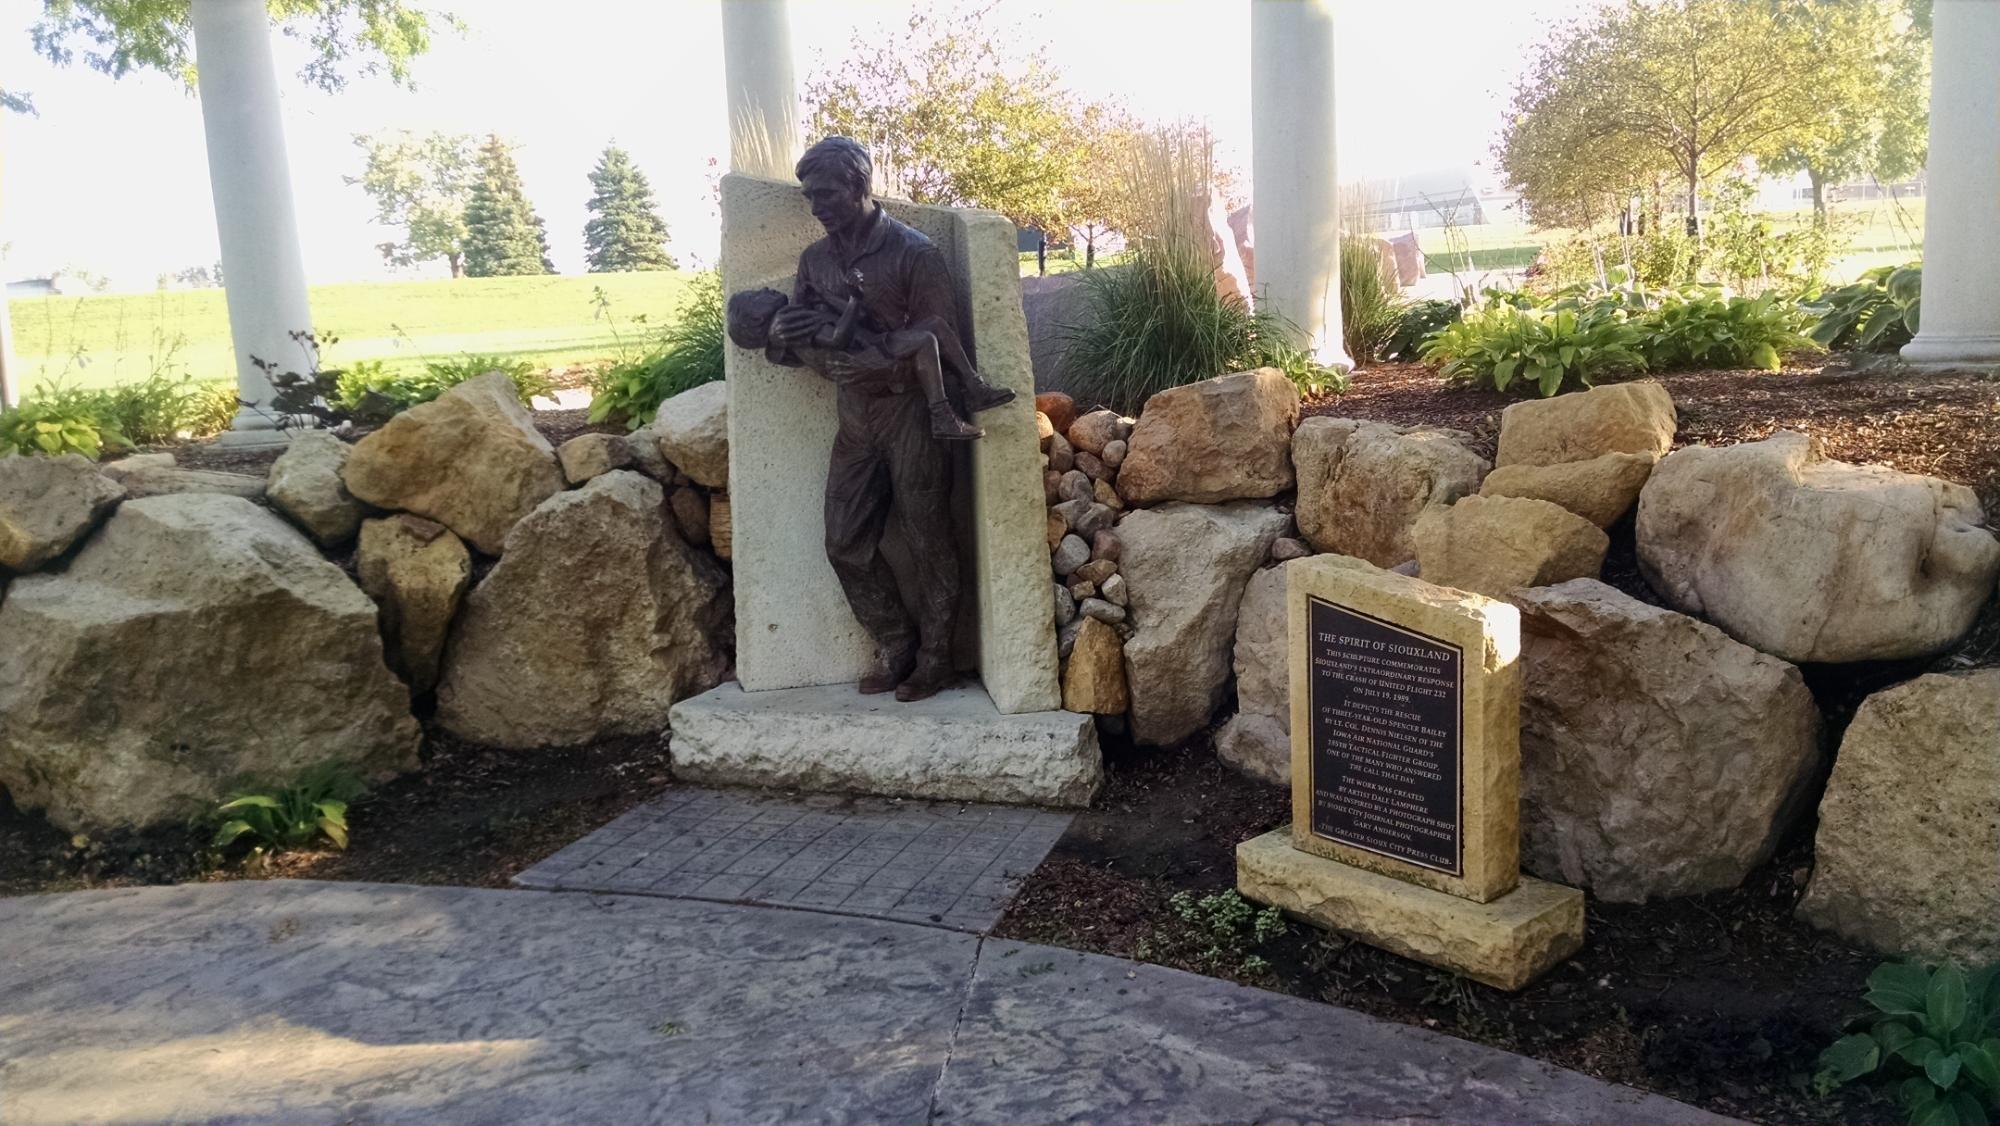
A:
(1632, 418)
(1907, 859)
(1058, 408)
(1815, 560)
(1185, 567)
(305, 485)
(47, 504)
(693, 430)
(1093, 431)
(1257, 740)
(1222, 439)
(1065, 605)
(196, 645)
(1114, 453)
(1493, 545)
(1659, 758)
(471, 459)
(1061, 458)
(1094, 681)
(1599, 490)
(596, 620)
(1362, 485)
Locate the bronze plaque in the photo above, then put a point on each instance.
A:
(1387, 714)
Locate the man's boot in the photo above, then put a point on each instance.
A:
(892, 666)
(931, 676)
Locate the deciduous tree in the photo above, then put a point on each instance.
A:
(625, 231)
(421, 184)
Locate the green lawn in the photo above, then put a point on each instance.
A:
(105, 339)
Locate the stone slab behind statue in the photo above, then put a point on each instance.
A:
(794, 628)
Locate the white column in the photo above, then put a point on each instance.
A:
(1961, 314)
(1295, 192)
(251, 180)
(763, 102)
(10, 378)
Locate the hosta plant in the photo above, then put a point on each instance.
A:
(293, 818)
(1939, 1030)
(1701, 327)
(1878, 313)
(1542, 351)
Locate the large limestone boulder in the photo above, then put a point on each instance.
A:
(1631, 418)
(1257, 740)
(305, 485)
(1185, 566)
(1811, 559)
(471, 459)
(1907, 859)
(1658, 757)
(595, 621)
(1494, 545)
(1220, 439)
(693, 432)
(47, 504)
(417, 572)
(1362, 485)
(593, 455)
(196, 644)
(1599, 490)
(164, 479)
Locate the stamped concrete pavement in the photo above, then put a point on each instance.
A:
(354, 1003)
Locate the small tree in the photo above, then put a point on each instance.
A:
(503, 235)
(625, 231)
(421, 184)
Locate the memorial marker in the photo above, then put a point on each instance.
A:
(1406, 771)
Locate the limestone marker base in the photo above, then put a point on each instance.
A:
(1505, 943)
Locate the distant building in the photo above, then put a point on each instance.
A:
(34, 287)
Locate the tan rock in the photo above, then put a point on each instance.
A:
(196, 645)
(1091, 432)
(1815, 560)
(1907, 859)
(1632, 418)
(1659, 758)
(721, 521)
(1108, 496)
(691, 516)
(596, 620)
(693, 431)
(1095, 571)
(1222, 439)
(593, 455)
(47, 504)
(643, 445)
(305, 485)
(134, 463)
(1599, 490)
(1362, 485)
(1094, 681)
(1496, 545)
(1044, 430)
(416, 570)
(170, 480)
(1257, 740)
(471, 459)
(1058, 527)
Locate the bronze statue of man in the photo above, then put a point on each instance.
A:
(887, 463)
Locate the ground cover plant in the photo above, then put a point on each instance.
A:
(1877, 313)
(1938, 1028)
(297, 816)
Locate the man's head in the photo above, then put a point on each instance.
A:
(834, 176)
(750, 315)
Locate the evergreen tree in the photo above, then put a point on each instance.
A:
(503, 235)
(625, 231)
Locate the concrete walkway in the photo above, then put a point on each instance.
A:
(329, 1002)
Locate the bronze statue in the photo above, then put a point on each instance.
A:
(872, 310)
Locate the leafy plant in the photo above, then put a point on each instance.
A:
(688, 354)
(1878, 313)
(295, 817)
(1415, 324)
(1701, 327)
(1544, 350)
(60, 420)
(1216, 932)
(371, 391)
(160, 410)
(1940, 1028)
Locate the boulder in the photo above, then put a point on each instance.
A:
(1185, 566)
(1658, 757)
(1222, 439)
(1257, 740)
(1599, 490)
(1811, 559)
(471, 459)
(643, 446)
(166, 479)
(593, 455)
(691, 516)
(417, 572)
(1058, 408)
(1907, 859)
(1631, 418)
(1094, 681)
(305, 485)
(1494, 545)
(596, 620)
(1362, 485)
(197, 644)
(47, 504)
(1092, 432)
(693, 429)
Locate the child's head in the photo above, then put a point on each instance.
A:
(751, 313)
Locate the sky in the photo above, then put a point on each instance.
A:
(112, 176)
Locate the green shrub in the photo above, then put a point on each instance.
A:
(1660, 260)
(159, 411)
(1940, 1029)
(373, 392)
(1878, 313)
(57, 420)
(1370, 307)
(295, 817)
(1416, 323)
(687, 355)
(1702, 328)
(1545, 350)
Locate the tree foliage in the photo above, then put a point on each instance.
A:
(118, 37)
(503, 235)
(625, 231)
(421, 184)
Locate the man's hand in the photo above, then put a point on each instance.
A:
(795, 324)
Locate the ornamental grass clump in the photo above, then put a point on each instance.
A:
(1371, 307)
